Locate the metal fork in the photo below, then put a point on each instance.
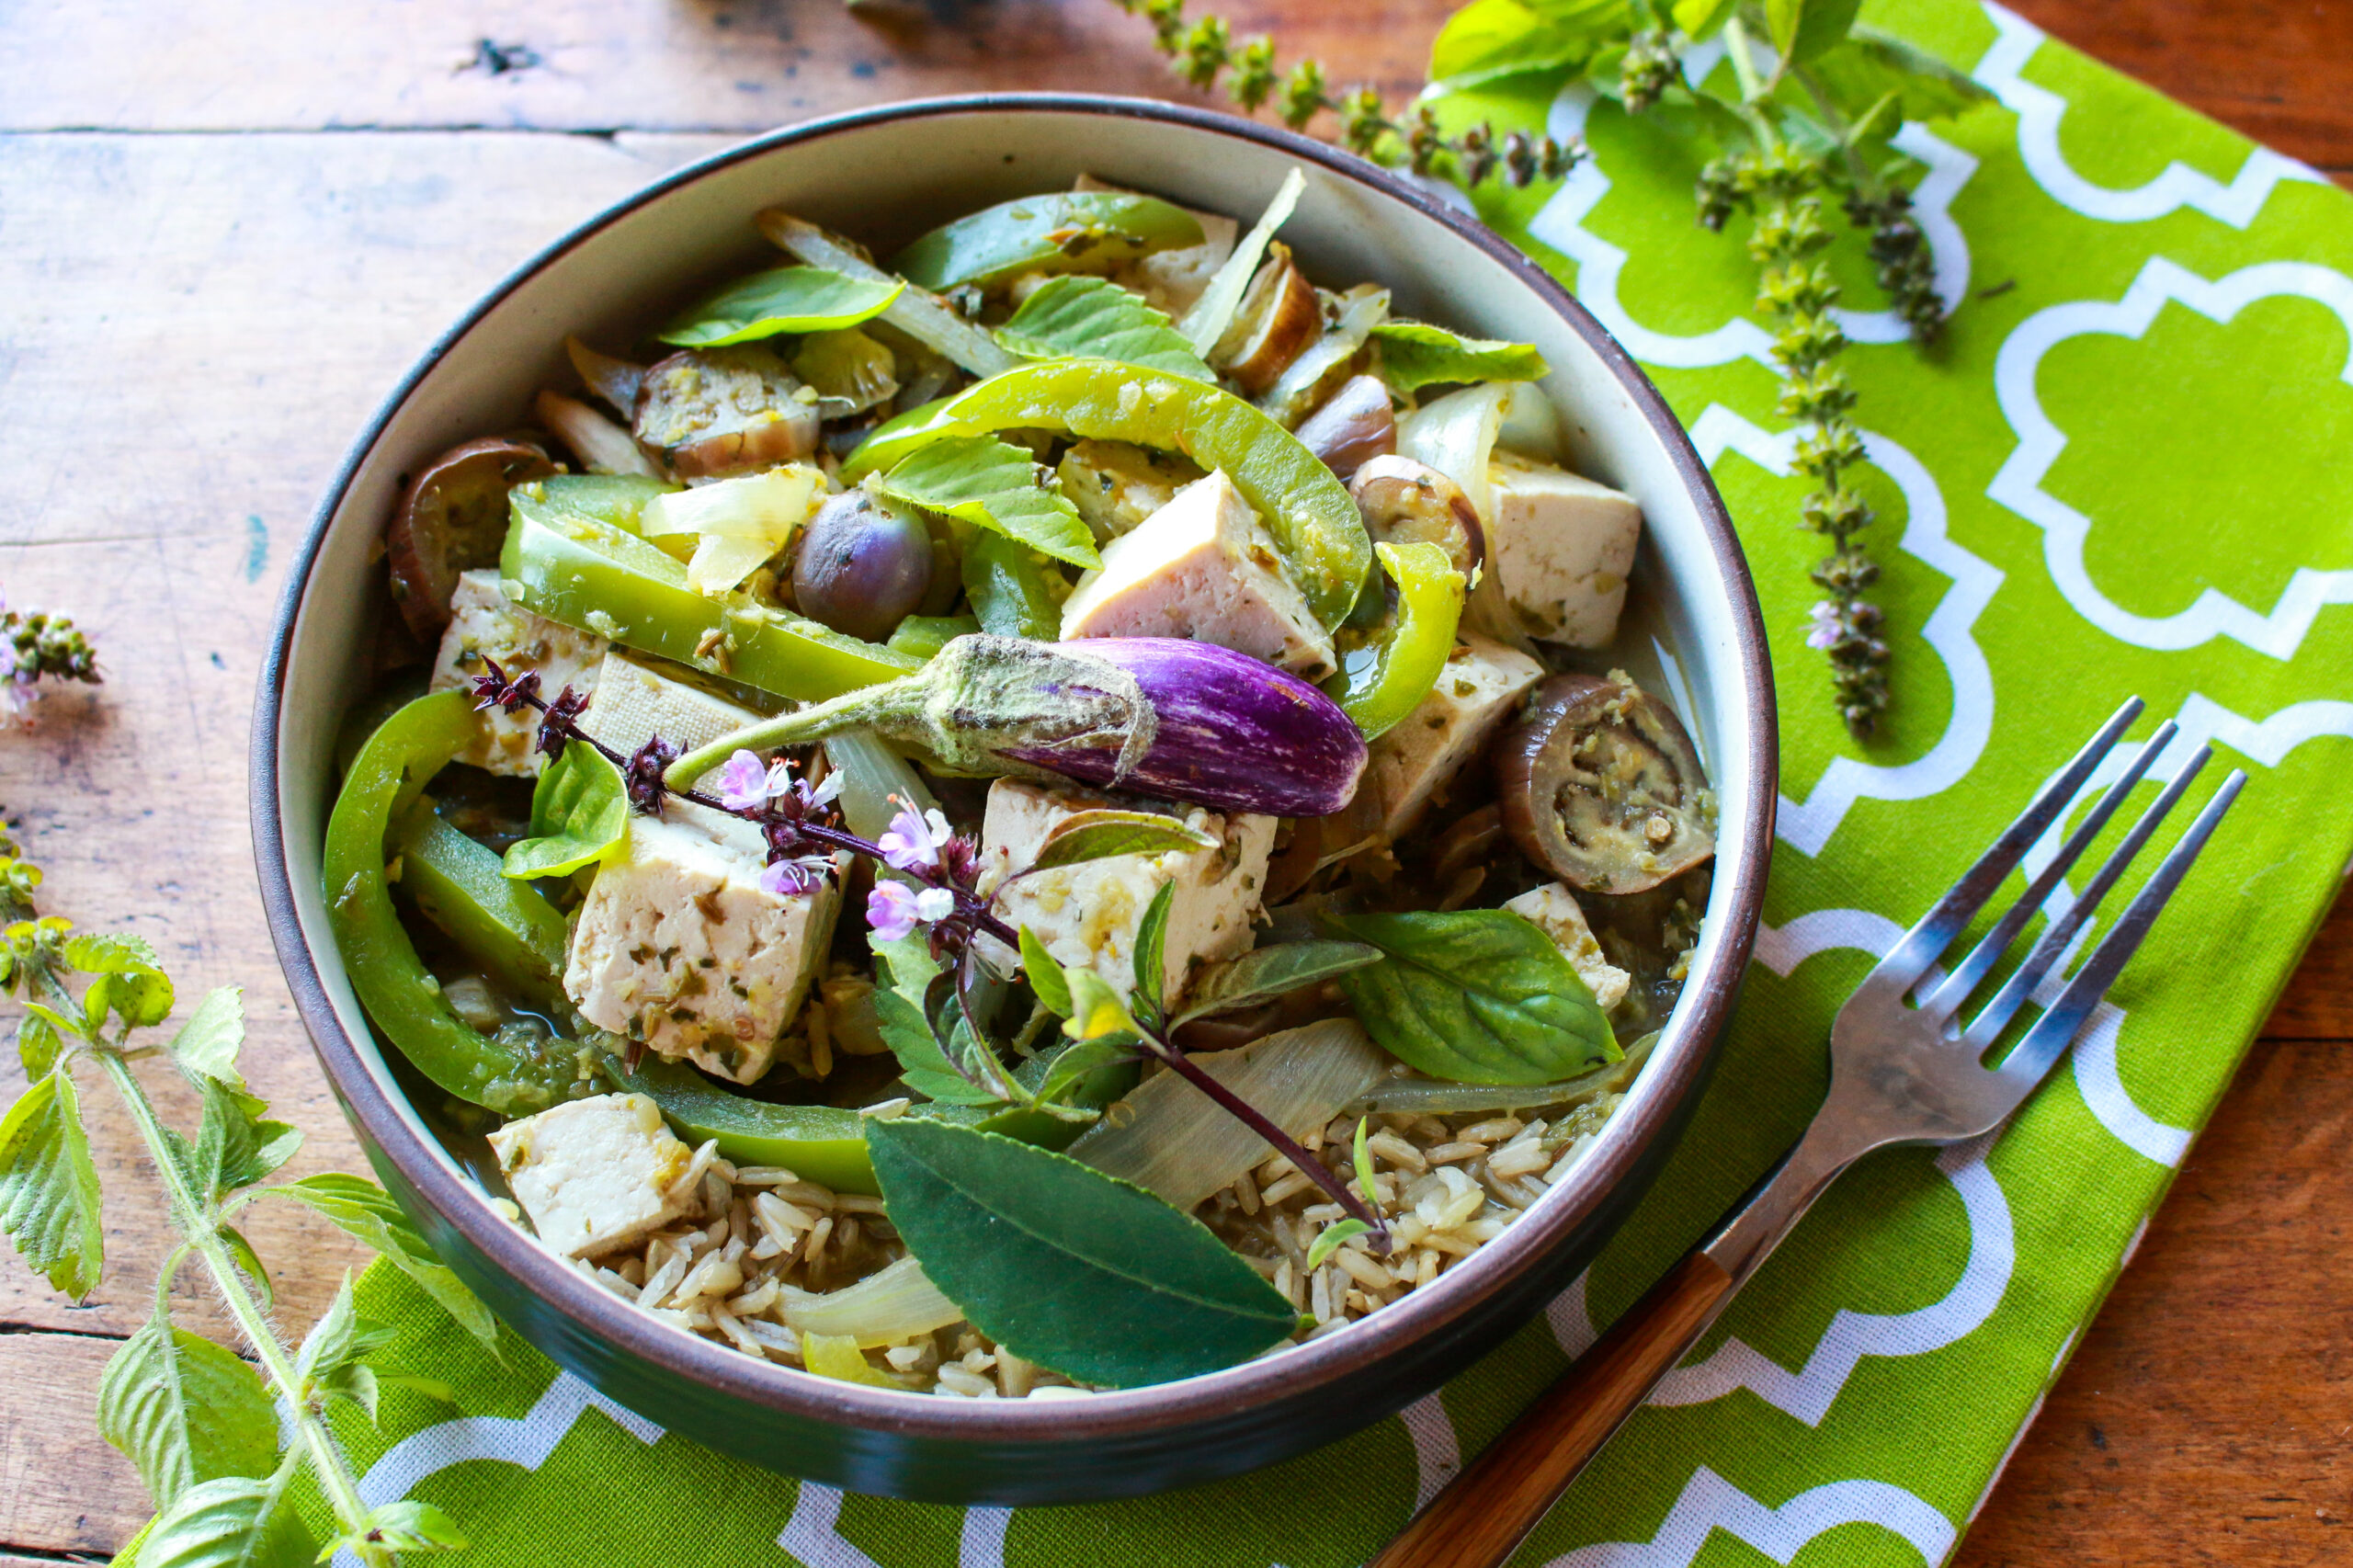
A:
(1903, 1070)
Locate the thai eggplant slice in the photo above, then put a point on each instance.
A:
(1601, 786)
(452, 518)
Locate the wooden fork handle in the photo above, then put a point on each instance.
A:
(1487, 1510)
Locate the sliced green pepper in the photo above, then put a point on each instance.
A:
(1378, 685)
(1015, 590)
(924, 635)
(508, 927)
(823, 1143)
(1316, 525)
(596, 576)
(1063, 231)
(399, 992)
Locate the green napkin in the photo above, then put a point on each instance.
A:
(2124, 472)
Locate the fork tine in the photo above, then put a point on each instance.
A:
(1925, 943)
(2050, 1033)
(2051, 947)
(1973, 969)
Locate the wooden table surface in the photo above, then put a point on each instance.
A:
(221, 240)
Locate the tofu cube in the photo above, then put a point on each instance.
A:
(1203, 568)
(678, 945)
(1560, 547)
(632, 703)
(1088, 915)
(1555, 912)
(1417, 758)
(1117, 484)
(595, 1175)
(484, 624)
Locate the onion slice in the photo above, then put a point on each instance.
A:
(1214, 311)
(1173, 1140)
(601, 446)
(921, 316)
(893, 1305)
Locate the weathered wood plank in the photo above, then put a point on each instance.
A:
(2203, 1420)
(737, 65)
(61, 1488)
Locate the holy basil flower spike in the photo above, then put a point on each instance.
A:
(399, 992)
(1306, 508)
(1063, 231)
(596, 576)
(796, 300)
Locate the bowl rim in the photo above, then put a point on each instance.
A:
(1676, 1071)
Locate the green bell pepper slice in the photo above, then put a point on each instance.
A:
(924, 635)
(1014, 589)
(569, 567)
(1378, 685)
(508, 927)
(1063, 231)
(1314, 524)
(403, 997)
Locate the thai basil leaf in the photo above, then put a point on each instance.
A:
(127, 982)
(1700, 19)
(235, 1522)
(1872, 66)
(185, 1411)
(1264, 974)
(995, 485)
(1478, 995)
(235, 1146)
(333, 1363)
(1069, 1071)
(1327, 1240)
(407, 1525)
(1414, 354)
(49, 1187)
(902, 1012)
(1363, 1155)
(1488, 40)
(1151, 955)
(579, 816)
(1102, 833)
(1803, 28)
(1045, 975)
(1076, 1270)
(1096, 1011)
(1093, 318)
(1012, 591)
(781, 300)
(207, 1043)
(361, 1209)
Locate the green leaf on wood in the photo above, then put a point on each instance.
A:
(49, 1187)
(207, 1043)
(361, 1209)
(39, 1043)
(781, 300)
(1478, 995)
(1264, 974)
(1093, 318)
(185, 1411)
(235, 1522)
(332, 1363)
(235, 1146)
(249, 1264)
(579, 816)
(1101, 833)
(995, 485)
(1076, 1270)
(1414, 354)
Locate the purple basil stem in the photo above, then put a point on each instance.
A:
(1235, 732)
(1181, 721)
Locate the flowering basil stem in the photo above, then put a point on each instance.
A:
(1182, 721)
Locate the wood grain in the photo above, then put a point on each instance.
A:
(197, 323)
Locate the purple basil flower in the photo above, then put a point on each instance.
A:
(1822, 627)
(744, 783)
(894, 909)
(913, 843)
(796, 875)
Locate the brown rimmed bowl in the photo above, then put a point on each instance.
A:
(886, 175)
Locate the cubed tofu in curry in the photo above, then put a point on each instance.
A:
(1416, 759)
(487, 625)
(1560, 547)
(1556, 913)
(595, 1175)
(1203, 568)
(1088, 915)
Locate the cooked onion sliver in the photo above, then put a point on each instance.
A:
(1173, 1140)
(920, 315)
(895, 1303)
(618, 382)
(1214, 311)
(871, 774)
(601, 446)
(1427, 1097)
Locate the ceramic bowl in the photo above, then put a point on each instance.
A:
(884, 176)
